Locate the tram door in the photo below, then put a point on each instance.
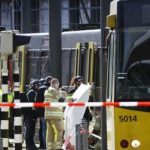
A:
(84, 61)
(78, 60)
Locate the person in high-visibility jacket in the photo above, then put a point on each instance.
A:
(44, 84)
(54, 117)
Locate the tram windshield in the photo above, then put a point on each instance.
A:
(133, 51)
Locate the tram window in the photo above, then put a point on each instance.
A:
(45, 41)
(138, 15)
(136, 83)
(132, 52)
(133, 77)
(139, 73)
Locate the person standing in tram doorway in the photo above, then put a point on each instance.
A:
(54, 117)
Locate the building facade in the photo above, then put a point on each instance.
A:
(33, 15)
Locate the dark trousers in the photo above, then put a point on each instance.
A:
(42, 133)
(30, 124)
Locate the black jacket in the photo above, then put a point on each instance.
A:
(40, 98)
(72, 90)
(31, 98)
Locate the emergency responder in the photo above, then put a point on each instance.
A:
(30, 116)
(44, 84)
(95, 143)
(77, 82)
(54, 117)
(48, 81)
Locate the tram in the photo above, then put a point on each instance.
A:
(128, 76)
(80, 56)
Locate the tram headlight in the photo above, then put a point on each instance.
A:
(135, 143)
(124, 143)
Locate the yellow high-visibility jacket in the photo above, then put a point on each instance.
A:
(10, 96)
(52, 95)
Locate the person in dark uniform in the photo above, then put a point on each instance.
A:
(30, 116)
(77, 82)
(44, 84)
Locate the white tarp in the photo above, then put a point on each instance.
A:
(74, 115)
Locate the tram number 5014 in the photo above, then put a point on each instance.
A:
(126, 118)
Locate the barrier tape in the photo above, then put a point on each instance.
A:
(78, 104)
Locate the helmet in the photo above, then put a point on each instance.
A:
(33, 84)
(48, 80)
(78, 78)
(42, 81)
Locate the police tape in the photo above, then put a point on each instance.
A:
(78, 104)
